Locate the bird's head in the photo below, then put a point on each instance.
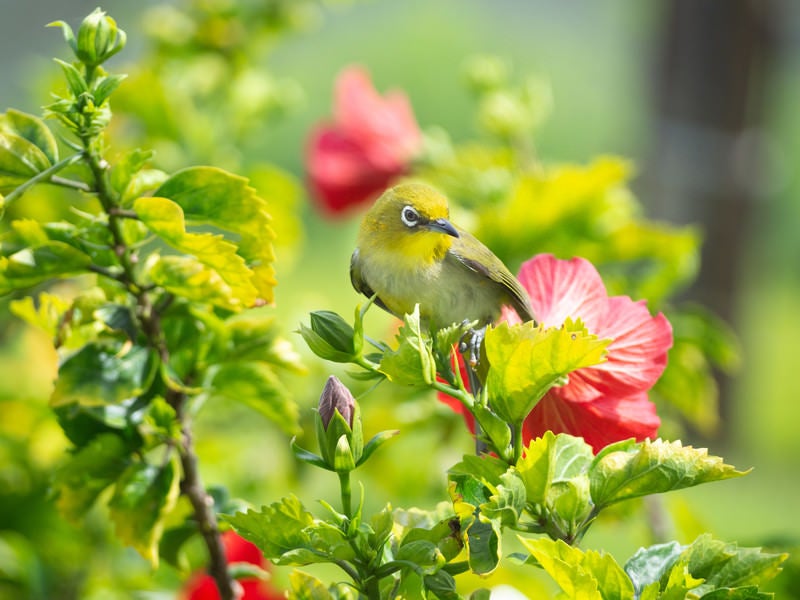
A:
(410, 221)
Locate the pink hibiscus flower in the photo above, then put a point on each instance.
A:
(369, 144)
(202, 586)
(607, 402)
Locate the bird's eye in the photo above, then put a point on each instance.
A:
(410, 216)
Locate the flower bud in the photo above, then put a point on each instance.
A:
(335, 396)
(99, 38)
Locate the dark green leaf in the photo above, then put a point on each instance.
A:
(143, 496)
(483, 544)
(97, 375)
(87, 472)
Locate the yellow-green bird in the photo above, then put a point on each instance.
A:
(408, 252)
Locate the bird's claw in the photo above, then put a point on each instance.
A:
(470, 344)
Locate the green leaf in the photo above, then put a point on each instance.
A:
(423, 553)
(97, 375)
(412, 362)
(256, 385)
(725, 565)
(188, 278)
(165, 218)
(484, 546)
(507, 500)
(307, 587)
(32, 266)
(628, 469)
(46, 316)
(32, 129)
(105, 86)
(211, 196)
(87, 472)
(375, 442)
(75, 81)
(258, 338)
(587, 575)
(648, 565)
(552, 459)
(527, 360)
(143, 496)
(277, 529)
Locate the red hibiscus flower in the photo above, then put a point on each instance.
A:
(607, 402)
(202, 586)
(370, 143)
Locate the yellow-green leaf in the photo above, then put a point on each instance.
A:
(211, 196)
(526, 360)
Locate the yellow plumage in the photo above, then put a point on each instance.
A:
(408, 252)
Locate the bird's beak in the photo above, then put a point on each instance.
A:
(442, 226)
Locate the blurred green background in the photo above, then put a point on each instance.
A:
(704, 103)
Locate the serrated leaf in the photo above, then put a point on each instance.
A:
(32, 129)
(46, 316)
(527, 360)
(255, 384)
(411, 363)
(211, 196)
(143, 496)
(279, 530)
(97, 375)
(165, 218)
(87, 472)
(629, 470)
(726, 565)
(507, 500)
(551, 459)
(32, 266)
(585, 575)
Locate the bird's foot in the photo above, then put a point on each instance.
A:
(470, 344)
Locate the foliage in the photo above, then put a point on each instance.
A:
(144, 279)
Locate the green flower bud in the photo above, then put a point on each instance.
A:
(99, 38)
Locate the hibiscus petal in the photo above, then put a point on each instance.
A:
(600, 422)
(563, 288)
(339, 173)
(637, 355)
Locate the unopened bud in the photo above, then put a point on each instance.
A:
(335, 396)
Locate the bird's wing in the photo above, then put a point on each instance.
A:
(361, 286)
(477, 257)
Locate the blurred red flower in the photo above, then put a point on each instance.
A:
(202, 586)
(607, 402)
(370, 143)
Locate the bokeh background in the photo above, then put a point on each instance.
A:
(701, 95)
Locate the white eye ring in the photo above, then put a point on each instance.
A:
(410, 216)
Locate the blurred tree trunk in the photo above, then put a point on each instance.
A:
(705, 165)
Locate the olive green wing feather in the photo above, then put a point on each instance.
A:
(477, 257)
(361, 286)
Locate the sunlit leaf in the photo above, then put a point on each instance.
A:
(32, 129)
(143, 496)
(586, 575)
(526, 360)
(165, 218)
(552, 459)
(628, 469)
(277, 529)
(411, 363)
(255, 384)
(211, 196)
(32, 266)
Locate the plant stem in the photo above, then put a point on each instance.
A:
(45, 175)
(150, 319)
(517, 441)
(344, 484)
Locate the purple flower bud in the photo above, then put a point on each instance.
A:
(336, 396)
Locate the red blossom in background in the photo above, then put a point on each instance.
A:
(607, 402)
(369, 144)
(202, 586)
